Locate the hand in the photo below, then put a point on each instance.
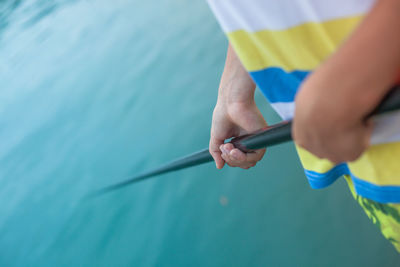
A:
(324, 125)
(331, 106)
(231, 121)
(235, 114)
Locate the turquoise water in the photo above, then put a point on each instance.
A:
(93, 92)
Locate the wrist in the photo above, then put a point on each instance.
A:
(237, 109)
(236, 85)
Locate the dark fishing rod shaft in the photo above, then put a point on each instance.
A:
(269, 136)
(196, 158)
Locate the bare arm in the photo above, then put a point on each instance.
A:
(234, 114)
(333, 101)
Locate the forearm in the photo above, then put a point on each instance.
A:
(234, 114)
(236, 86)
(364, 68)
(333, 102)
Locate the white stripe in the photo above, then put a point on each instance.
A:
(386, 127)
(284, 109)
(256, 15)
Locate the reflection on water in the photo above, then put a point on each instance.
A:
(6, 9)
(92, 92)
(28, 11)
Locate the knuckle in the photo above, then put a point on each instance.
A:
(318, 154)
(302, 144)
(335, 160)
(354, 156)
(234, 165)
(258, 158)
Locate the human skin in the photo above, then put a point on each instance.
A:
(332, 103)
(235, 114)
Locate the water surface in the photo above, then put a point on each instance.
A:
(93, 92)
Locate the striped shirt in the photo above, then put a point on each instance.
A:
(279, 43)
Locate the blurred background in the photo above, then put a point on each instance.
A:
(92, 92)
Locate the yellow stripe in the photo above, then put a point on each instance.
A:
(379, 165)
(313, 163)
(301, 47)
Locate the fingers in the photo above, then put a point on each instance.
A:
(216, 152)
(246, 119)
(339, 146)
(236, 158)
(255, 156)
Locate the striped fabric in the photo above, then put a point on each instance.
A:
(280, 42)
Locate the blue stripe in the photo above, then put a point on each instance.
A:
(278, 85)
(382, 194)
(321, 180)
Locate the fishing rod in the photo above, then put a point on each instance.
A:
(269, 136)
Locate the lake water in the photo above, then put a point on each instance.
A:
(92, 92)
